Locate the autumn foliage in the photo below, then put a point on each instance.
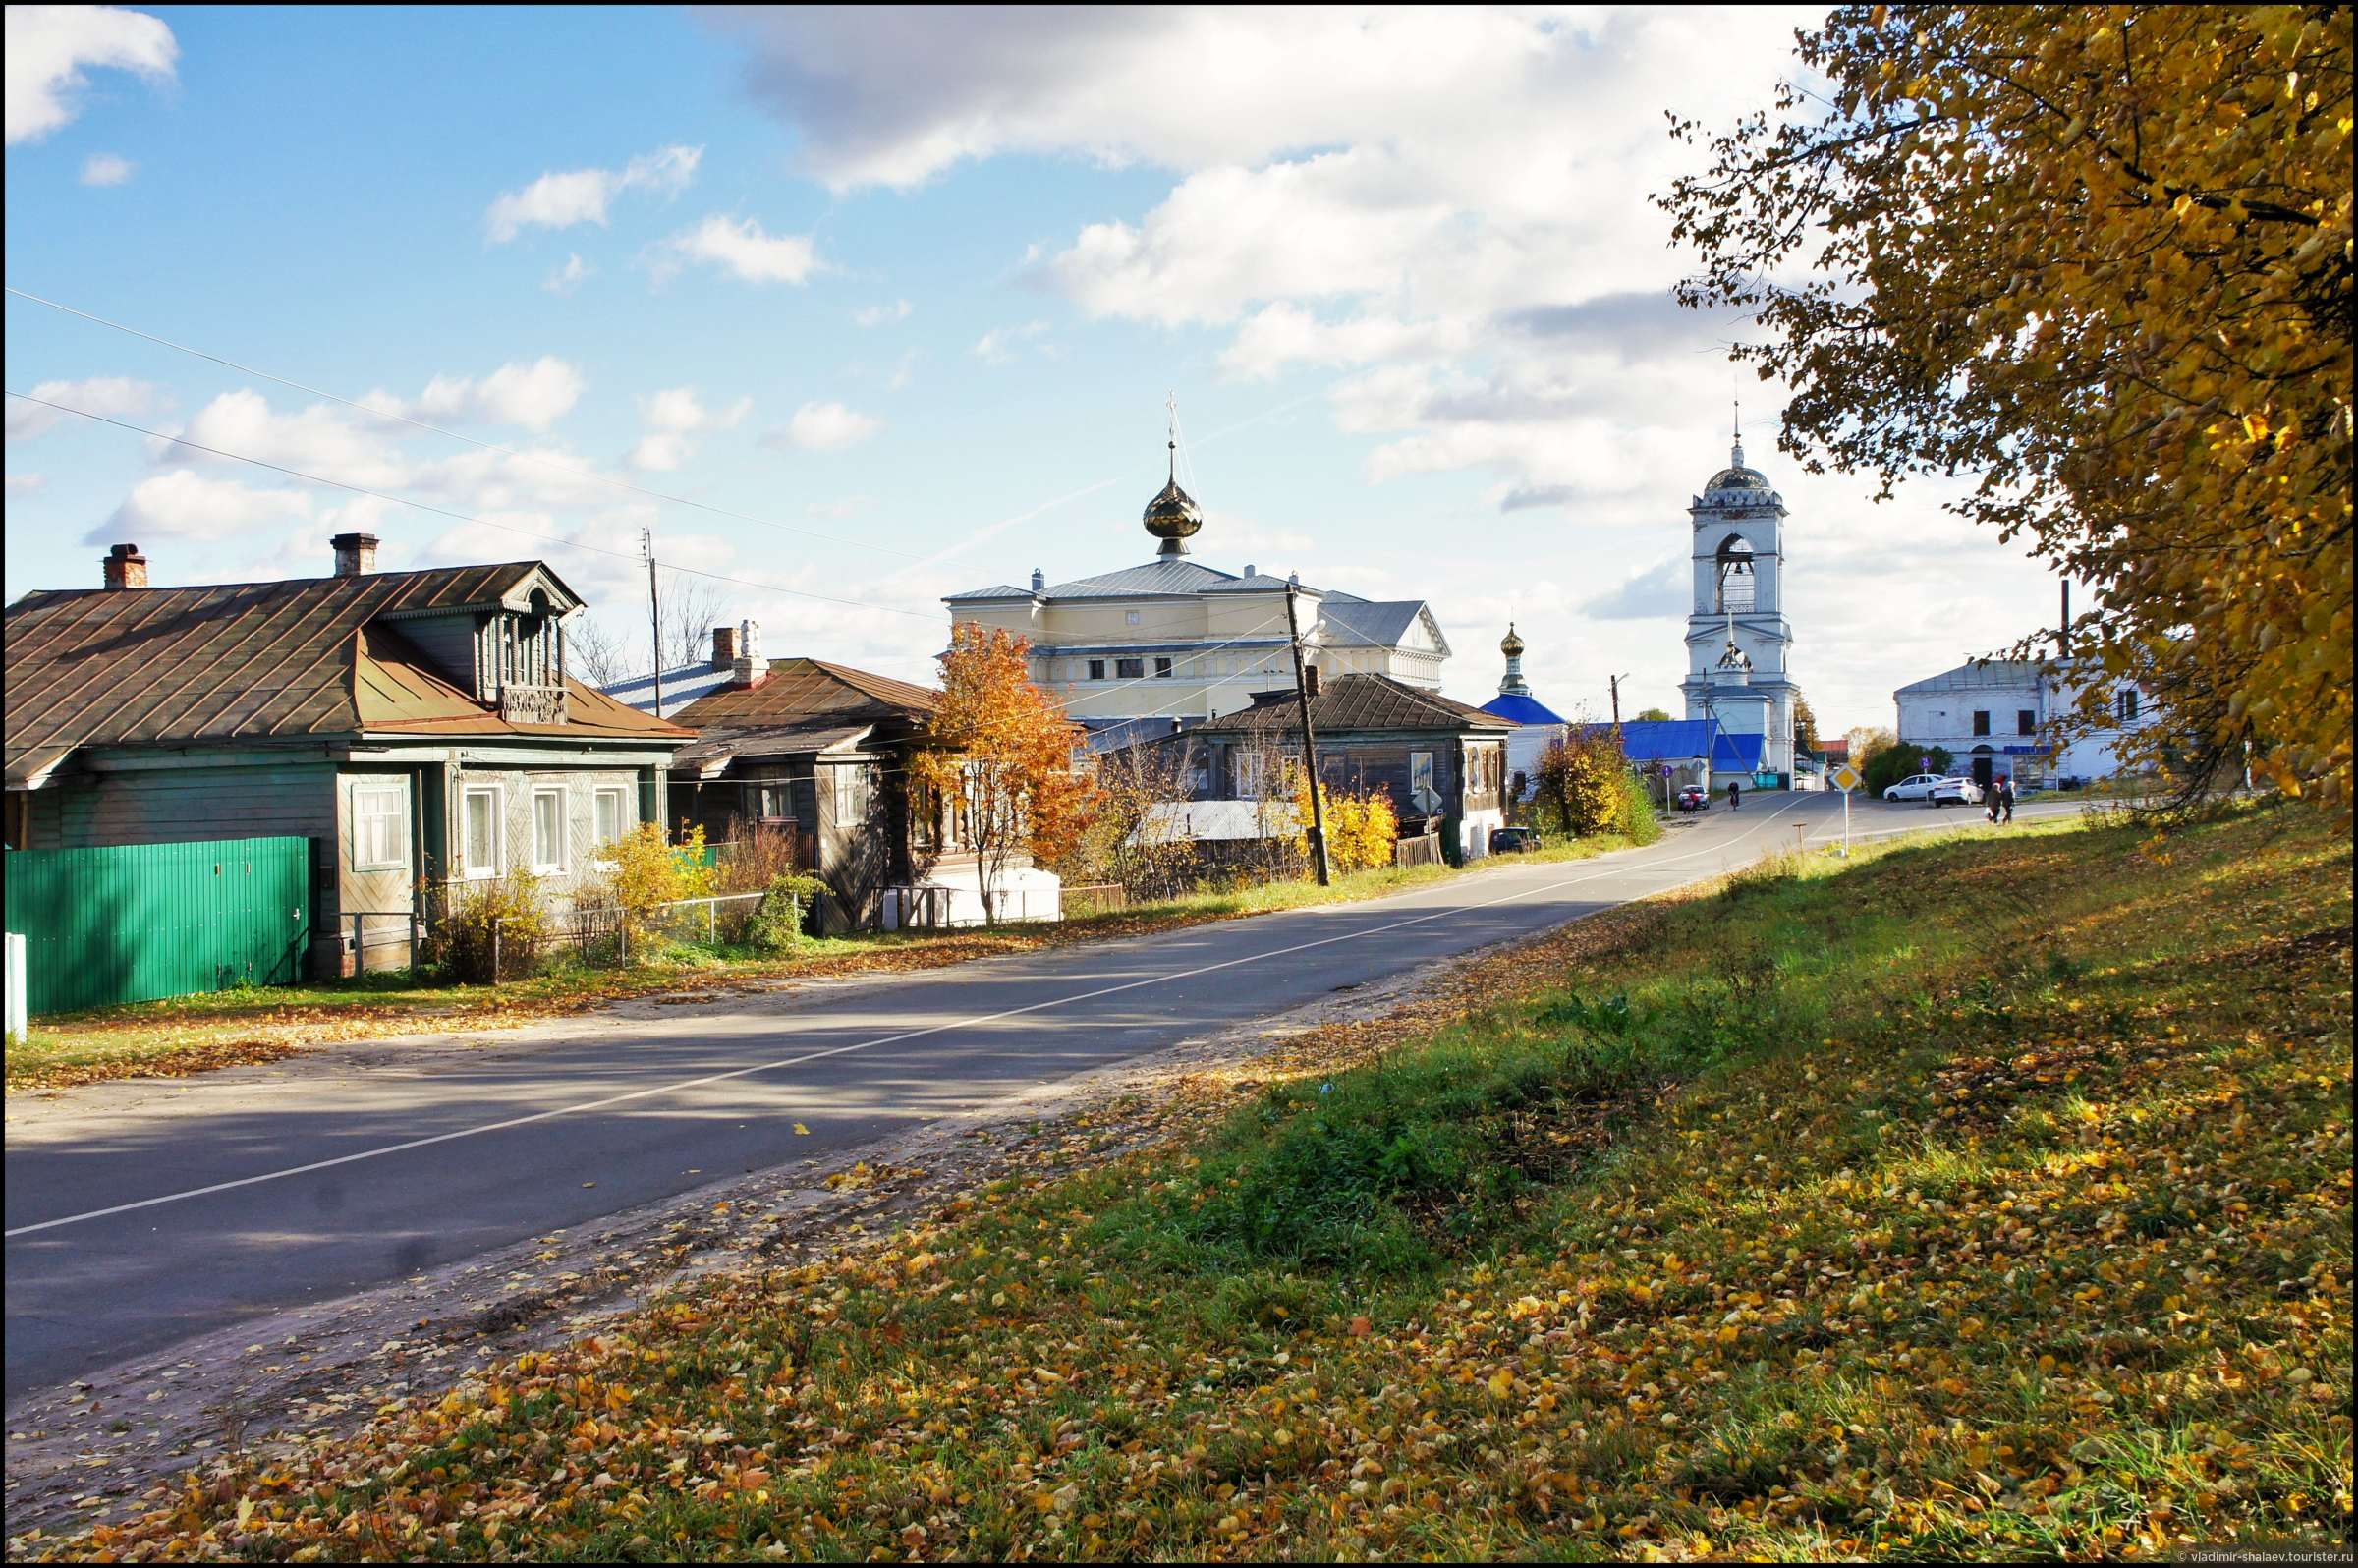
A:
(2100, 257)
(1361, 826)
(1001, 750)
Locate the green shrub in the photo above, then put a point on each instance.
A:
(777, 923)
(495, 931)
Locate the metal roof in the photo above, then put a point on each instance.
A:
(1979, 675)
(1357, 703)
(799, 689)
(1522, 708)
(261, 662)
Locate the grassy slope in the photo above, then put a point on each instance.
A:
(1983, 1197)
(197, 1034)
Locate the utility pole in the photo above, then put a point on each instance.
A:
(1310, 744)
(1614, 682)
(654, 613)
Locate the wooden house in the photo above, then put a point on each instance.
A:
(815, 750)
(1442, 761)
(418, 728)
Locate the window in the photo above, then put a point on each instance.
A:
(481, 847)
(2126, 703)
(2026, 721)
(1248, 775)
(613, 810)
(1097, 669)
(381, 815)
(777, 802)
(1163, 669)
(548, 830)
(1981, 722)
(1422, 795)
(1128, 670)
(851, 795)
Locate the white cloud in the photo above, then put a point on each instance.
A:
(998, 346)
(567, 278)
(186, 505)
(823, 428)
(23, 485)
(742, 247)
(583, 196)
(675, 421)
(1663, 589)
(323, 440)
(892, 315)
(49, 47)
(100, 394)
(534, 396)
(104, 168)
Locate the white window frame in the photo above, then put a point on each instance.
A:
(397, 856)
(556, 793)
(622, 820)
(469, 870)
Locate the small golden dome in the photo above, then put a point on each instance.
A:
(1510, 644)
(1173, 517)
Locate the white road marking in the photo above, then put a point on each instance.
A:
(888, 1039)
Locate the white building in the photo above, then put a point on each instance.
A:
(1177, 640)
(1737, 636)
(1992, 717)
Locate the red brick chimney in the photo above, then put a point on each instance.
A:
(124, 566)
(724, 647)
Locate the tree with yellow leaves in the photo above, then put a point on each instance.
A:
(1000, 750)
(2100, 256)
(1361, 826)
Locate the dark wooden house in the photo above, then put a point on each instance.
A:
(1442, 761)
(418, 728)
(802, 745)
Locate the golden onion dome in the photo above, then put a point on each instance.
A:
(1510, 644)
(1173, 517)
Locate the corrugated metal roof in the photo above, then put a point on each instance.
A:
(1366, 623)
(1358, 703)
(1661, 740)
(799, 689)
(251, 661)
(715, 748)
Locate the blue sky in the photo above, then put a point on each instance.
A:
(919, 282)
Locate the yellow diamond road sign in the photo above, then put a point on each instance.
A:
(1846, 778)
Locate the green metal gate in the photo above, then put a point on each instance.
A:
(141, 921)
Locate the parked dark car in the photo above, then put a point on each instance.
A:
(1694, 798)
(1514, 840)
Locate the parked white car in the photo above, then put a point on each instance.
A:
(1937, 790)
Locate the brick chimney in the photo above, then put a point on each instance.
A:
(356, 554)
(124, 566)
(749, 668)
(724, 647)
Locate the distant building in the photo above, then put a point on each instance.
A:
(1738, 639)
(1538, 726)
(1176, 640)
(1442, 762)
(1991, 717)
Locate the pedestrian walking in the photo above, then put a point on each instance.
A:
(2005, 794)
(1735, 794)
(1989, 802)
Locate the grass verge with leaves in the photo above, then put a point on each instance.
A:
(1979, 1198)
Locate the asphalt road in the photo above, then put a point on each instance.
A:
(137, 1221)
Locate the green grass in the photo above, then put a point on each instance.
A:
(1972, 1198)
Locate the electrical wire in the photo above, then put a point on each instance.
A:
(462, 516)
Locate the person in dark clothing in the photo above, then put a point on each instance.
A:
(1735, 794)
(1990, 803)
(2005, 794)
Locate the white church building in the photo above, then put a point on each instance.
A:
(1738, 639)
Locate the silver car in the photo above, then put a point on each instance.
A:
(1936, 789)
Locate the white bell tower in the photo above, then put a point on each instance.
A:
(1737, 636)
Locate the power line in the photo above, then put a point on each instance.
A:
(462, 516)
(488, 446)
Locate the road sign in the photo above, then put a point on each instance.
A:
(1665, 771)
(1845, 777)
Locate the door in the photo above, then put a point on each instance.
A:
(1982, 771)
